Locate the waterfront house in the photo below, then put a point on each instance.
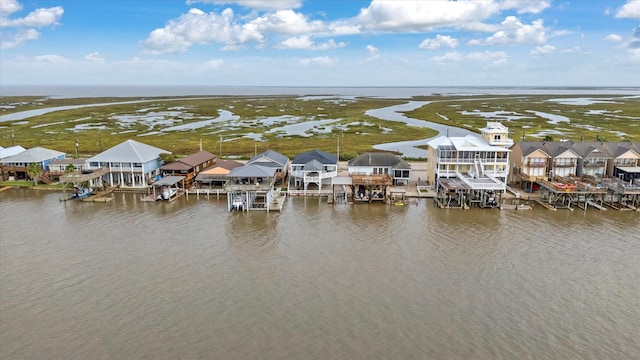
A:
(529, 162)
(216, 176)
(467, 170)
(251, 186)
(272, 159)
(60, 167)
(16, 167)
(130, 163)
(594, 159)
(372, 173)
(626, 160)
(381, 163)
(189, 166)
(564, 158)
(313, 167)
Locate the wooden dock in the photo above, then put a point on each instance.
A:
(5, 188)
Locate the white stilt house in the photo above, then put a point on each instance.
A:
(130, 164)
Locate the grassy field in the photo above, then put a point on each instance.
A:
(607, 118)
(240, 126)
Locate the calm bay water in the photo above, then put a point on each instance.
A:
(188, 280)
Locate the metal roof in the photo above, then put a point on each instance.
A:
(168, 180)
(322, 156)
(33, 155)
(129, 151)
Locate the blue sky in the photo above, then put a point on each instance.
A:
(321, 42)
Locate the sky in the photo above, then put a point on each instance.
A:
(320, 42)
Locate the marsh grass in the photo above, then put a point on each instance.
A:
(616, 120)
(101, 127)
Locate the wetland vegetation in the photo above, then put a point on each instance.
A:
(239, 126)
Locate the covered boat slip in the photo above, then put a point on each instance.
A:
(463, 192)
(613, 193)
(87, 185)
(167, 188)
(253, 200)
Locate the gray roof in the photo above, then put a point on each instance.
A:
(551, 148)
(33, 155)
(313, 165)
(619, 148)
(379, 159)
(10, 151)
(318, 155)
(129, 151)
(252, 171)
(270, 158)
(168, 180)
(592, 149)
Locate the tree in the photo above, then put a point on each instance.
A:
(34, 171)
(69, 169)
(548, 138)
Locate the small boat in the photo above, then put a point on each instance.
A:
(238, 202)
(167, 192)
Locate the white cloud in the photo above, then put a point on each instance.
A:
(487, 55)
(513, 31)
(613, 38)
(8, 7)
(198, 27)
(322, 61)
(575, 50)
(629, 10)
(305, 42)
(372, 53)
(51, 58)
(438, 42)
(254, 4)
(213, 65)
(287, 22)
(543, 50)
(95, 57)
(422, 15)
(24, 29)
(38, 18)
(450, 57)
(19, 39)
(526, 6)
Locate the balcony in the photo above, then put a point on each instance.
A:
(594, 163)
(535, 164)
(564, 164)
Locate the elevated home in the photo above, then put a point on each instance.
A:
(251, 187)
(62, 166)
(530, 162)
(625, 163)
(313, 167)
(17, 166)
(373, 172)
(216, 176)
(467, 170)
(130, 163)
(5, 173)
(189, 166)
(594, 159)
(274, 160)
(564, 158)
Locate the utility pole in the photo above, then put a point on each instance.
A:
(77, 157)
(220, 136)
(13, 135)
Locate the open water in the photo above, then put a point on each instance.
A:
(188, 280)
